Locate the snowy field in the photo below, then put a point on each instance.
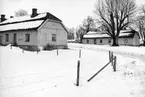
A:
(47, 74)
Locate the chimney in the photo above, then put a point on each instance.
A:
(3, 18)
(34, 12)
(11, 16)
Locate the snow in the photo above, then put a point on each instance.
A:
(22, 25)
(45, 74)
(132, 51)
(92, 34)
(24, 18)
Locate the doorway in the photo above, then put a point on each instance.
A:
(15, 39)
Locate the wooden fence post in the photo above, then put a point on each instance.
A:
(78, 72)
(112, 58)
(57, 51)
(109, 56)
(114, 65)
(80, 53)
(11, 46)
(98, 71)
(22, 50)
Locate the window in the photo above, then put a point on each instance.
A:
(53, 37)
(109, 40)
(0, 39)
(27, 37)
(87, 41)
(101, 41)
(125, 41)
(94, 41)
(7, 37)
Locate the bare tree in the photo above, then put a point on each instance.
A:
(80, 33)
(88, 24)
(71, 33)
(21, 12)
(115, 15)
(140, 23)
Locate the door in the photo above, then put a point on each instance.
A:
(15, 39)
(94, 41)
(0, 39)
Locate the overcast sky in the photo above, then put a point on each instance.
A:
(71, 12)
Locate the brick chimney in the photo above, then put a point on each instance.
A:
(3, 18)
(34, 12)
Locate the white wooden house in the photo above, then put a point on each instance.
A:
(126, 37)
(35, 30)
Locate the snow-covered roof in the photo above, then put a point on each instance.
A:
(123, 33)
(21, 25)
(24, 18)
(26, 22)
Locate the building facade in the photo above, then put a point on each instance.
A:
(126, 37)
(35, 30)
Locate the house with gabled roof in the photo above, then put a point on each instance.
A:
(37, 30)
(126, 37)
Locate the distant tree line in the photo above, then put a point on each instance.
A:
(113, 16)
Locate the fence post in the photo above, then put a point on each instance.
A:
(22, 50)
(114, 65)
(99, 71)
(78, 72)
(57, 51)
(109, 56)
(112, 58)
(11, 46)
(80, 53)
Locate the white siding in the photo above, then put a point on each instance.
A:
(91, 41)
(136, 40)
(125, 41)
(20, 37)
(46, 31)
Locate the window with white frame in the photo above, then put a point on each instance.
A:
(0, 39)
(27, 37)
(109, 40)
(101, 41)
(7, 37)
(87, 41)
(53, 37)
(125, 41)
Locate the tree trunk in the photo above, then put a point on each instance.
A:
(144, 43)
(81, 39)
(115, 41)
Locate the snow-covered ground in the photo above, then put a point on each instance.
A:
(47, 74)
(131, 51)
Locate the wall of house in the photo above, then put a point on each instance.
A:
(46, 31)
(98, 41)
(125, 41)
(136, 40)
(2, 38)
(121, 41)
(20, 37)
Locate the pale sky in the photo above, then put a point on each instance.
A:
(71, 12)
